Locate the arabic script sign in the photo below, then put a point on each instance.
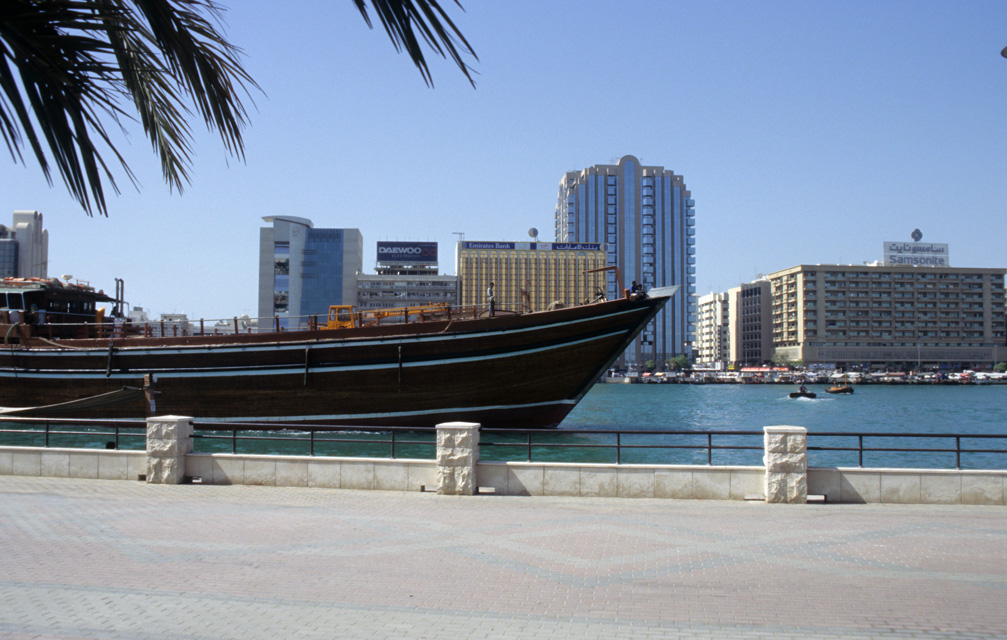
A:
(922, 254)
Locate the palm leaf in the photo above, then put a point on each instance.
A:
(67, 67)
(72, 65)
(402, 19)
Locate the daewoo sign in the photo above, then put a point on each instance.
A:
(413, 252)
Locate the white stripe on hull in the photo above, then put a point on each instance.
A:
(290, 370)
(396, 414)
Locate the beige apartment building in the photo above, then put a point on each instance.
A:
(894, 316)
(712, 320)
(530, 276)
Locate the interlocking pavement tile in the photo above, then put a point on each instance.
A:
(121, 559)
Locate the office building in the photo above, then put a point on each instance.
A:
(407, 276)
(889, 316)
(530, 276)
(24, 247)
(750, 329)
(712, 339)
(303, 270)
(645, 217)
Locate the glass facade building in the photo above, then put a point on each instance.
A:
(324, 271)
(303, 270)
(645, 217)
(8, 253)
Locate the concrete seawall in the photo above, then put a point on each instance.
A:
(784, 478)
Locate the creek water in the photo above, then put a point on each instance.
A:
(636, 412)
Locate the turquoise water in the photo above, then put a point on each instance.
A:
(918, 409)
(902, 408)
(926, 409)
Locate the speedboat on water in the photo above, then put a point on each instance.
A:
(803, 394)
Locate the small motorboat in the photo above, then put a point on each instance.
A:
(803, 393)
(840, 389)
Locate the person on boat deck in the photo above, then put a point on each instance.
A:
(637, 289)
(803, 388)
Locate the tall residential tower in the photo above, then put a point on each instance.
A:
(645, 217)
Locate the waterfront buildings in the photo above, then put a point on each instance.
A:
(750, 329)
(645, 217)
(24, 247)
(407, 276)
(174, 324)
(889, 315)
(303, 270)
(530, 276)
(170, 325)
(138, 316)
(712, 322)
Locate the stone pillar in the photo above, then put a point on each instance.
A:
(786, 460)
(457, 455)
(169, 438)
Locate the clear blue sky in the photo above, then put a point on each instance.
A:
(808, 132)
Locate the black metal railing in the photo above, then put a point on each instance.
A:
(621, 447)
(731, 447)
(938, 445)
(73, 433)
(314, 440)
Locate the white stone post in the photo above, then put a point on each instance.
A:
(457, 455)
(786, 460)
(169, 438)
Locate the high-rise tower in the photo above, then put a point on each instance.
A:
(646, 219)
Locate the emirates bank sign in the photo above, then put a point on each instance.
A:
(408, 252)
(919, 254)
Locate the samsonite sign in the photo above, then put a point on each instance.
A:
(922, 254)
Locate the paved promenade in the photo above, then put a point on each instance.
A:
(117, 559)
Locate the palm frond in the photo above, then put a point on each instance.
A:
(403, 19)
(68, 66)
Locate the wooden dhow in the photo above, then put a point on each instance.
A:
(515, 370)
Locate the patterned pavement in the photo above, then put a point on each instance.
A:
(116, 559)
